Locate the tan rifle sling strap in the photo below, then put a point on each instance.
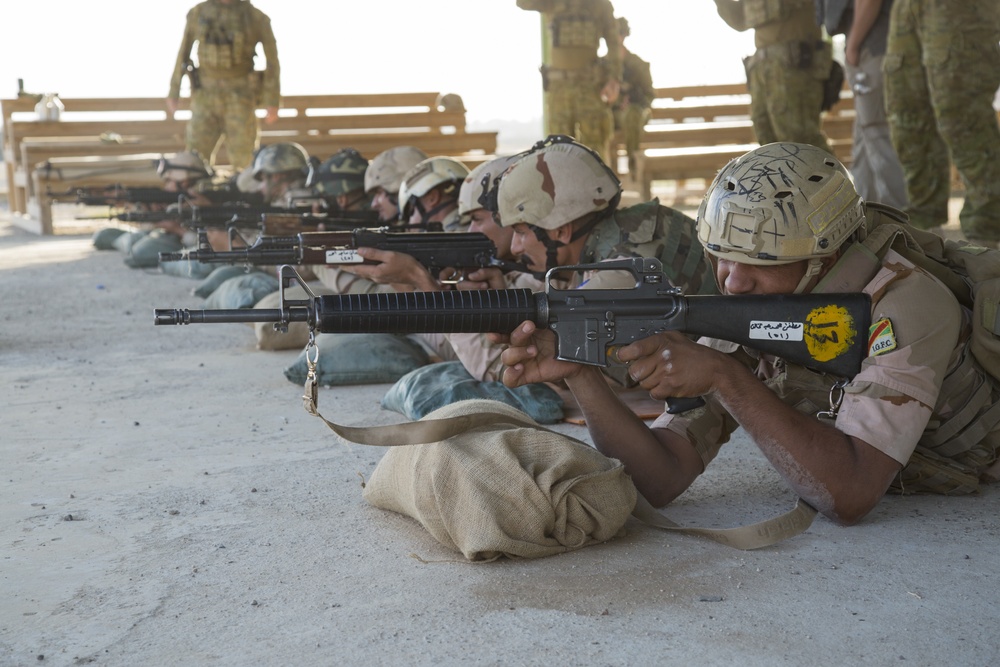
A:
(754, 536)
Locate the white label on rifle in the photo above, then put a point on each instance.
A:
(343, 256)
(762, 330)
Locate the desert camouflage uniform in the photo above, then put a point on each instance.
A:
(942, 69)
(787, 72)
(925, 403)
(574, 76)
(224, 105)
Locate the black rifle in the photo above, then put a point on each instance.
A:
(434, 250)
(824, 332)
(116, 195)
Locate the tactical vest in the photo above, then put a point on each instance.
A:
(952, 453)
(759, 12)
(575, 29)
(225, 42)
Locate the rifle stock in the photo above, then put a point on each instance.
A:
(824, 332)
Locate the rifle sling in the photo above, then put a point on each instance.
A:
(753, 536)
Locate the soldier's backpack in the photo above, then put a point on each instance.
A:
(970, 271)
(951, 455)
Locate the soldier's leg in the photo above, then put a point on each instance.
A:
(595, 122)
(205, 127)
(559, 109)
(794, 104)
(878, 175)
(241, 126)
(921, 150)
(757, 82)
(963, 64)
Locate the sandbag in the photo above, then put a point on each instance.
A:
(430, 387)
(242, 292)
(505, 487)
(344, 359)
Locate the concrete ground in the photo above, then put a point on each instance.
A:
(166, 501)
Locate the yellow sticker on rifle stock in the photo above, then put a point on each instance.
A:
(829, 332)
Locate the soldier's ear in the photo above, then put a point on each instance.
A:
(563, 234)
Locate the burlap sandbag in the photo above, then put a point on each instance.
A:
(507, 488)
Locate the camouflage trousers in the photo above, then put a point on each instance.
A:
(224, 108)
(631, 121)
(785, 103)
(575, 108)
(942, 70)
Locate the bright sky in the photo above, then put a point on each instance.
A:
(488, 51)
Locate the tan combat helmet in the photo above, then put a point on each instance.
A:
(556, 182)
(780, 203)
(477, 185)
(387, 168)
(425, 176)
(281, 158)
(184, 166)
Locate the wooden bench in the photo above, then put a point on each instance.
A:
(96, 136)
(693, 131)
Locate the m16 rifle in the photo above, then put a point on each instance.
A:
(824, 332)
(434, 250)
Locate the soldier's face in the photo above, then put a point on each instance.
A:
(387, 211)
(524, 244)
(737, 278)
(482, 222)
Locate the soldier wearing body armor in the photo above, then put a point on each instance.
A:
(385, 174)
(225, 89)
(787, 73)
(578, 86)
(562, 200)
(919, 416)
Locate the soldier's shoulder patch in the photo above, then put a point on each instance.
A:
(881, 339)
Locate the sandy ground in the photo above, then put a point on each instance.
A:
(167, 501)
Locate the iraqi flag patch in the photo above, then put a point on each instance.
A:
(880, 338)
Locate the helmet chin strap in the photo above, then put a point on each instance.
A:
(813, 268)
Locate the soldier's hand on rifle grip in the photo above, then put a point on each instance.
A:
(531, 357)
(670, 366)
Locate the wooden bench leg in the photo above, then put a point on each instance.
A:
(43, 205)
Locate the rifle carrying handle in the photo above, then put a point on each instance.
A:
(676, 405)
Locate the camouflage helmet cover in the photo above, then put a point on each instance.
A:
(182, 166)
(387, 168)
(556, 184)
(280, 158)
(340, 174)
(779, 203)
(470, 196)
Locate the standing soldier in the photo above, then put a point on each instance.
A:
(942, 69)
(579, 87)
(633, 108)
(225, 89)
(788, 72)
